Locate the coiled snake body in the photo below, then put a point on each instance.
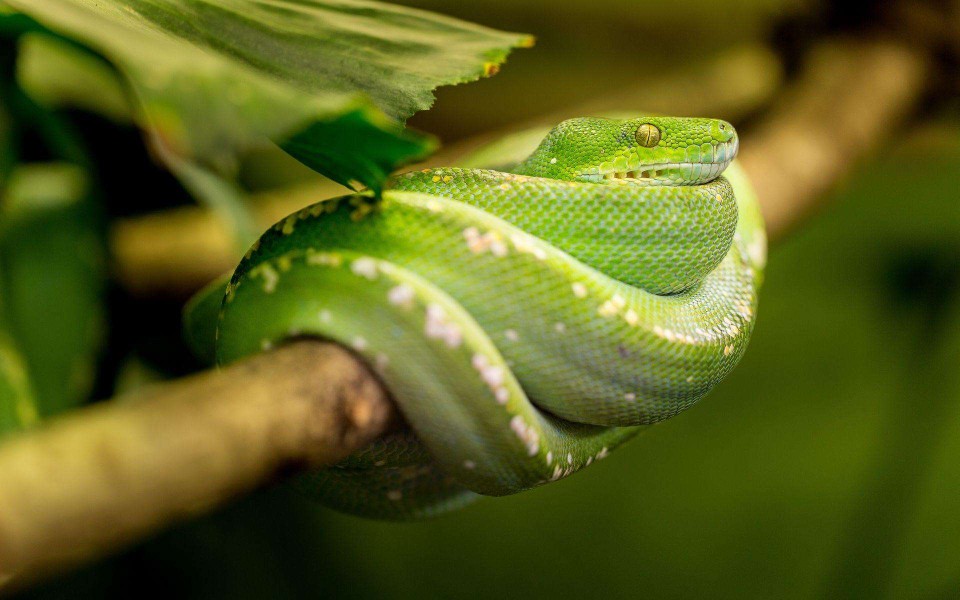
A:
(526, 322)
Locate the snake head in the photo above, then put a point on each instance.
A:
(648, 150)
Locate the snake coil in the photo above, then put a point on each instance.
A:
(527, 320)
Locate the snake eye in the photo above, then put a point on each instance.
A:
(647, 135)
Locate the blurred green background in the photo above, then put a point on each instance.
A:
(825, 466)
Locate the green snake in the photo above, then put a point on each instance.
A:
(525, 320)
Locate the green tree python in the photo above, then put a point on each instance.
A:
(526, 320)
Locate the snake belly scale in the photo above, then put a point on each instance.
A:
(525, 321)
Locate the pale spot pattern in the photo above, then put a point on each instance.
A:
(324, 259)
(365, 267)
(528, 245)
(401, 295)
(269, 275)
(493, 376)
(438, 326)
(527, 434)
(479, 243)
(612, 306)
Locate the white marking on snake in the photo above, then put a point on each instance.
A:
(479, 243)
(607, 309)
(401, 295)
(511, 334)
(438, 326)
(359, 343)
(327, 259)
(269, 275)
(559, 327)
(325, 316)
(493, 376)
(365, 267)
(527, 245)
(579, 290)
(757, 250)
(527, 434)
(497, 247)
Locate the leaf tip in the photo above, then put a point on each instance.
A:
(528, 41)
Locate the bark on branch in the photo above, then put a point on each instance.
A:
(851, 97)
(112, 473)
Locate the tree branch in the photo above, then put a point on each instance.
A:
(852, 96)
(112, 473)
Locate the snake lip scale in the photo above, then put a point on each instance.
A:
(716, 158)
(526, 320)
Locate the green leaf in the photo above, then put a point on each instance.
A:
(52, 277)
(213, 79)
(17, 406)
(58, 74)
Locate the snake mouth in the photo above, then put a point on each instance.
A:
(703, 165)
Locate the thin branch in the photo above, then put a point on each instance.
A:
(852, 96)
(108, 475)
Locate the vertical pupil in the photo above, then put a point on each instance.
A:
(647, 135)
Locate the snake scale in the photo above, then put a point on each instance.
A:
(527, 320)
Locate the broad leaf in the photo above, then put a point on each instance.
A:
(52, 278)
(212, 79)
(17, 406)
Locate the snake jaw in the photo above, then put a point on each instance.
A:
(702, 164)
